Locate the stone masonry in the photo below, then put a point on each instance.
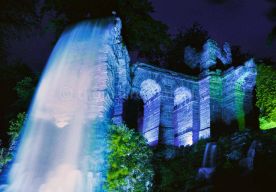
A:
(179, 109)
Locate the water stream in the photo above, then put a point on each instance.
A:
(209, 161)
(62, 148)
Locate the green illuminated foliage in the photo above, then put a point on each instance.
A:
(16, 125)
(130, 157)
(5, 157)
(266, 96)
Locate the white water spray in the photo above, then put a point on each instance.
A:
(62, 148)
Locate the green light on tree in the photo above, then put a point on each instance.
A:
(266, 96)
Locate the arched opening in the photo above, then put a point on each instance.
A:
(183, 117)
(133, 112)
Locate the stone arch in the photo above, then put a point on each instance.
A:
(182, 94)
(150, 93)
(149, 88)
(183, 116)
(133, 111)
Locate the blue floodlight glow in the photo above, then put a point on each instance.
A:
(62, 149)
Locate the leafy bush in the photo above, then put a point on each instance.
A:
(178, 173)
(16, 125)
(130, 158)
(266, 96)
(6, 154)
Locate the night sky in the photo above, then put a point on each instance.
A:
(239, 22)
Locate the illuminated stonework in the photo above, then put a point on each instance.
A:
(183, 117)
(149, 88)
(149, 127)
(209, 55)
(179, 109)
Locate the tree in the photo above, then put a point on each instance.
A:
(195, 37)
(5, 157)
(25, 90)
(272, 17)
(16, 125)
(178, 173)
(10, 101)
(238, 56)
(130, 158)
(140, 31)
(15, 15)
(266, 96)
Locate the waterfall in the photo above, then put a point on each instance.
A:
(209, 155)
(209, 161)
(63, 144)
(248, 161)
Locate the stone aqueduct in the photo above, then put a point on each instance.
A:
(179, 109)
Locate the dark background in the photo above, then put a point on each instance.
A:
(239, 22)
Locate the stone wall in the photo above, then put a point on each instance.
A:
(118, 67)
(176, 106)
(238, 87)
(179, 109)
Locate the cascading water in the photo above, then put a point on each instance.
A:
(209, 155)
(63, 148)
(208, 163)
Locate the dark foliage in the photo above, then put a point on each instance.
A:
(238, 56)
(180, 173)
(141, 32)
(11, 103)
(15, 15)
(272, 17)
(195, 37)
(230, 176)
(177, 174)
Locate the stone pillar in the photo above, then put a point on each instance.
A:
(118, 111)
(196, 114)
(150, 93)
(166, 119)
(183, 123)
(228, 99)
(184, 116)
(248, 100)
(216, 90)
(204, 108)
(151, 120)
